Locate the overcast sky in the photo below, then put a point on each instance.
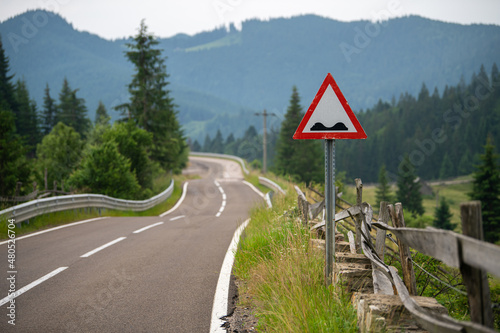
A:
(120, 18)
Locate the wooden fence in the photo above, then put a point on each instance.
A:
(467, 251)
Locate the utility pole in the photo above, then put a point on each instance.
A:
(264, 150)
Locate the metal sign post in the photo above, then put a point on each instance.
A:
(328, 118)
(330, 209)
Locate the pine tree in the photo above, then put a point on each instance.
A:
(101, 114)
(465, 164)
(49, 112)
(442, 216)
(26, 117)
(446, 170)
(207, 144)
(408, 192)
(301, 159)
(151, 106)
(13, 164)
(72, 110)
(7, 99)
(486, 188)
(383, 191)
(218, 143)
(196, 147)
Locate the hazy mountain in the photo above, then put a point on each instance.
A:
(220, 78)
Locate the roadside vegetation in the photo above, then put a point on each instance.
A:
(55, 219)
(282, 279)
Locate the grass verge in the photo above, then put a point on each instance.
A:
(282, 280)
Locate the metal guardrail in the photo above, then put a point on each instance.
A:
(38, 207)
(34, 208)
(232, 157)
(269, 183)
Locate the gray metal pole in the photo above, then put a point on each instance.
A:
(330, 209)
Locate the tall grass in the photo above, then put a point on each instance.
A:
(284, 279)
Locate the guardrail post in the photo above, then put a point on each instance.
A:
(476, 280)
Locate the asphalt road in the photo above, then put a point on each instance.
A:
(159, 279)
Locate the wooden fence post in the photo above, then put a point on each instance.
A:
(476, 280)
(380, 240)
(404, 250)
(359, 200)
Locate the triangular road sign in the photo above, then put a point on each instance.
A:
(329, 116)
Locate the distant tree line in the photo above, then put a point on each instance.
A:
(60, 143)
(249, 146)
(443, 134)
(432, 137)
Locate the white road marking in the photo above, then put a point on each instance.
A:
(31, 285)
(223, 205)
(88, 254)
(147, 227)
(181, 199)
(177, 217)
(219, 307)
(255, 189)
(56, 228)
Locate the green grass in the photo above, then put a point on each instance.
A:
(283, 279)
(63, 217)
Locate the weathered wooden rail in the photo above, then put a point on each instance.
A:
(467, 252)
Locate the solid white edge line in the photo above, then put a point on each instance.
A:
(56, 228)
(31, 285)
(219, 307)
(102, 247)
(147, 227)
(256, 190)
(181, 199)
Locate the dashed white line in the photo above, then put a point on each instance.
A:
(31, 285)
(223, 205)
(88, 254)
(177, 217)
(147, 227)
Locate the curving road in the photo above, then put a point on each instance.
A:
(130, 274)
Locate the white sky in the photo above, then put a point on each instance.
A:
(120, 18)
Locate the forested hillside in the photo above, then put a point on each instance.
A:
(443, 133)
(58, 149)
(220, 78)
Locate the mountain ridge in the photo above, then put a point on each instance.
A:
(220, 78)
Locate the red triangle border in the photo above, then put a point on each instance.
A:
(359, 134)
